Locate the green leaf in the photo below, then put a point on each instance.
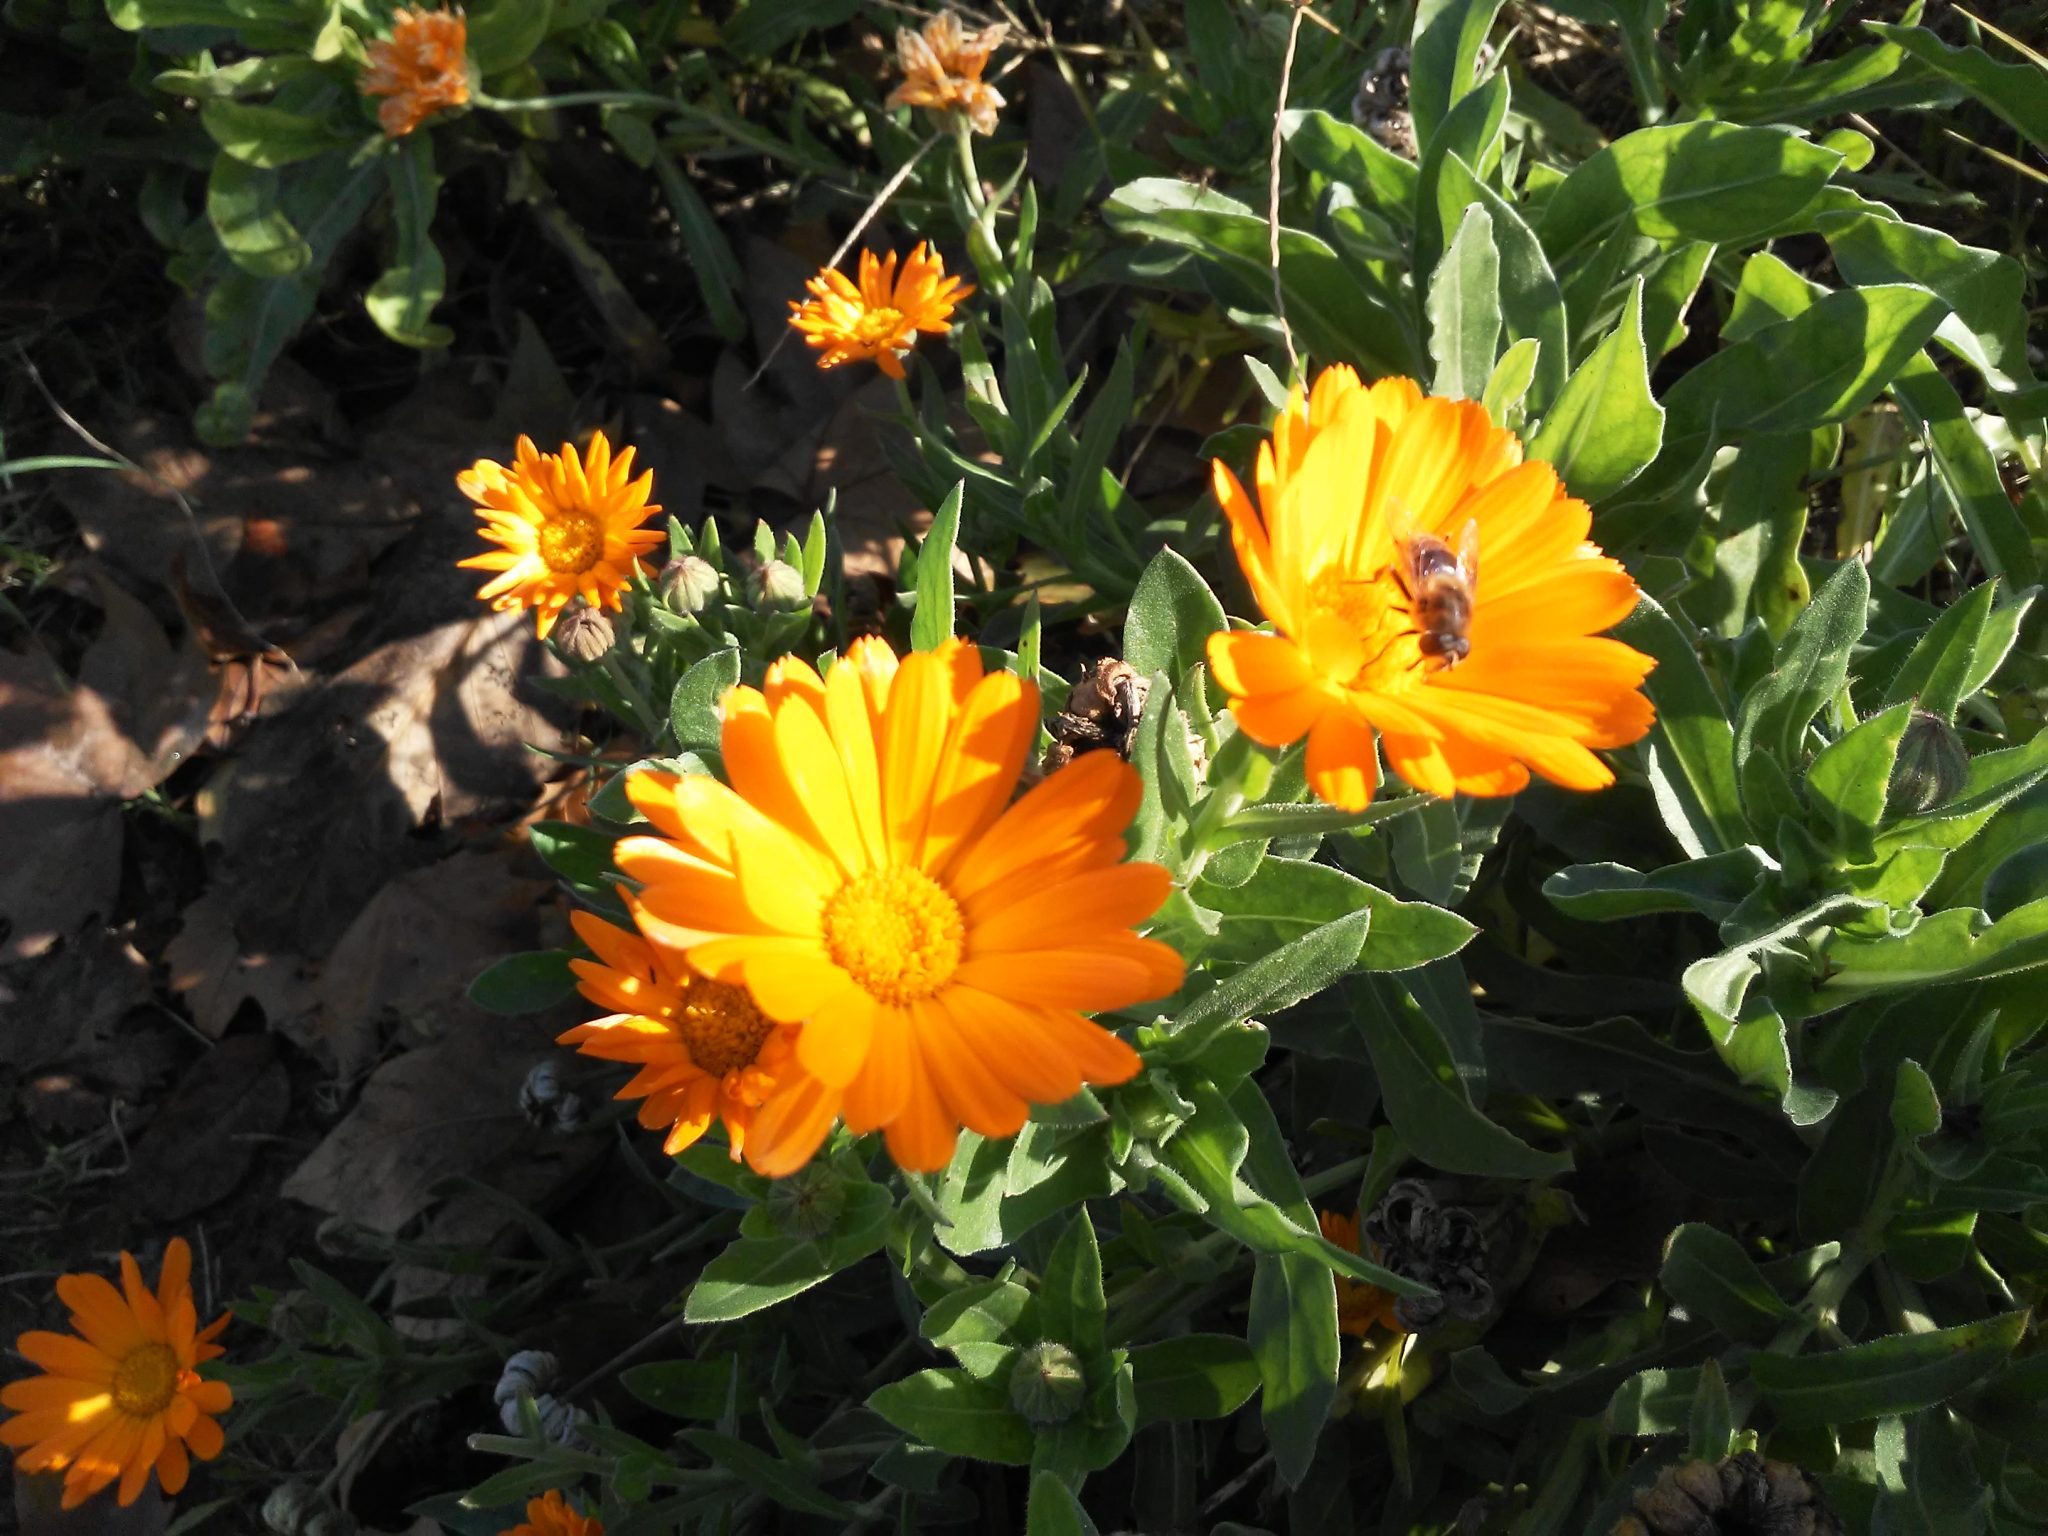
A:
(266, 137)
(1293, 1334)
(1425, 1098)
(1707, 1272)
(1531, 305)
(712, 262)
(1848, 780)
(1070, 1304)
(1448, 37)
(134, 15)
(1705, 181)
(524, 983)
(1331, 314)
(1054, 1510)
(1942, 669)
(2013, 91)
(1605, 426)
(1693, 747)
(1712, 1423)
(241, 204)
(580, 855)
(1350, 157)
(1987, 323)
(694, 708)
(1172, 615)
(1509, 384)
(504, 34)
(1822, 366)
(1195, 1376)
(1960, 944)
(1286, 899)
(953, 1412)
(1276, 981)
(1464, 309)
(686, 1389)
(757, 1272)
(1966, 470)
(765, 1474)
(931, 622)
(402, 300)
(1810, 668)
(1898, 1374)
(1713, 887)
(1653, 1402)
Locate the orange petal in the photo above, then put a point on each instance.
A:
(1342, 762)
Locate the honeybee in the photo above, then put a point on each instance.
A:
(1442, 585)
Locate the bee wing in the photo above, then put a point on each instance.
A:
(1468, 552)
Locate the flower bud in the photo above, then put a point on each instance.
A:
(1932, 766)
(689, 585)
(291, 1508)
(583, 634)
(808, 1203)
(298, 1317)
(778, 587)
(1047, 1384)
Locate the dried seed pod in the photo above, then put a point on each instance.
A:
(1405, 1220)
(1744, 1495)
(584, 634)
(1103, 711)
(1380, 106)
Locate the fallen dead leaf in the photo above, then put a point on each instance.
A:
(411, 954)
(201, 1142)
(215, 970)
(318, 809)
(55, 1007)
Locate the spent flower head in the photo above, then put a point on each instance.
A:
(942, 67)
(421, 69)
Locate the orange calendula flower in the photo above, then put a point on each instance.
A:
(867, 877)
(1359, 1305)
(123, 1397)
(1428, 584)
(942, 66)
(553, 1515)
(419, 70)
(704, 1050)
(568, 526)
(879, 320)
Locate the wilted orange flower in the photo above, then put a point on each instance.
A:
(552, 1515)
(881, 318)
(419, 69)
(1359, 1305)
(568, 526)
(942, 68)
(704, 1050)
(867, 877)
(123, 1397)
(1369, 498)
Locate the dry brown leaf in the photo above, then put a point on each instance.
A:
(448, 1108)
(202, 1140)
(413, 951)
(317, 810)
(215, 971)
(55, 1007)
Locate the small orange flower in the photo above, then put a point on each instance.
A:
(703, 1048)
(942, 68)
(1429, 585)
(122, 1398)
(568, 526)
(1359, 1305)
(880, 319)
(867, 877)
(419, 69)
(553, 1515)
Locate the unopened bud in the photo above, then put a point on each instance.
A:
(298, 1317)
(290, 1507)
(583, 634)
(689, 585)
(547, 1102)
(1047, 1384)
(808, 1203)
(1932, 766)
(779, 586)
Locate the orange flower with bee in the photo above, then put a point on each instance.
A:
(1364, 547)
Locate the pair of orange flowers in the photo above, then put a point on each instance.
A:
(861, 928)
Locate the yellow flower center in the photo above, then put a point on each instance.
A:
(570, 541)
(1381, 653)
(896, 933)
(720, 1027)
(878, 327)
(146, 1381)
